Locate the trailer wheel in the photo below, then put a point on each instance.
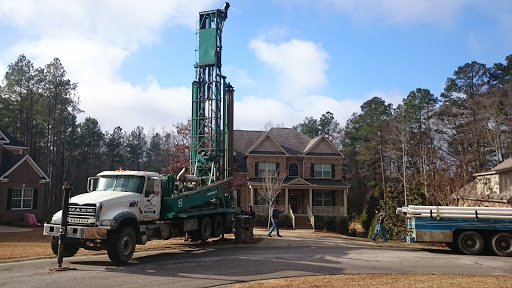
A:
(122, 245)
(502, 244)
(70, 247)
(470, 243)
(218, 226)
(206, 229)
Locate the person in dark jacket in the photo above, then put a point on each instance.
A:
(380, 226)
(275, 221)
(251, 212)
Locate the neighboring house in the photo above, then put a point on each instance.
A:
(22, 182)
(313, 183)
(493, 186)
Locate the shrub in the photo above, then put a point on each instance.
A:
(285, 221)
(331, 223)
(342, 226)
(261, 220)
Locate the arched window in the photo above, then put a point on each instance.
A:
(293, 170)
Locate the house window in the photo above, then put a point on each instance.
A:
(293, 170)
(21, 198)
(323, 198)
(322, 171)
(266, 167)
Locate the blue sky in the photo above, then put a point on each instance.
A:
(289, 59)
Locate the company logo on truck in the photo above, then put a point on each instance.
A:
(82, 210)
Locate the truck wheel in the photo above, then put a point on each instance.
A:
(195, 235)
(502, 244)
(218, 226)
(70, 247)
(122, 245)
(206, 229)
(470, 243)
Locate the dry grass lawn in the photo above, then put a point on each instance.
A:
(21, 245)
(30, 244)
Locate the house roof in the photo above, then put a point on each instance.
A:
(8, 161)
(11, 161)
(503, 166)
(290, 142)
(8, 140)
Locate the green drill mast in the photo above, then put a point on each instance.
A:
(212, 103)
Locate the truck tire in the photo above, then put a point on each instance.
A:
(218, 226)
(470, 243)
(502, 244)
(206, 229)
(122, 245)
(70, 247)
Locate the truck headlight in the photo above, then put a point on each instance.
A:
(56, 220)
(108, 222)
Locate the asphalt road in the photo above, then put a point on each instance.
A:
(296, 254)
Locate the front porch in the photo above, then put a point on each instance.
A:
(304, 203)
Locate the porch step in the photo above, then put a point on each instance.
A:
(302, 222)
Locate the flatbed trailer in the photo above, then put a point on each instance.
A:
(469, 230)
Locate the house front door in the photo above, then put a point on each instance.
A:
(293, 201)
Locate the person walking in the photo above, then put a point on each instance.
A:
(275, 221)
(379, 227)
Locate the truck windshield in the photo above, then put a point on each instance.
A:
(133, 184)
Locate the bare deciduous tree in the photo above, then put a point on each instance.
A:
(272, 186)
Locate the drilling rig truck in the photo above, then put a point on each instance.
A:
(469, 230)
(123, 208)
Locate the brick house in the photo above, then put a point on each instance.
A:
(313, 183)
(22, 182)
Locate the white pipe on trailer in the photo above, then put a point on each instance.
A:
(456, 212)
(461, 216)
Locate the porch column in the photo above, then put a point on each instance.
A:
(310, 200)
(345, 202)
(286, 201)
(252, 196)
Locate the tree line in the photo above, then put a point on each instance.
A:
(425, 149)
(420, 152)
(39, 106)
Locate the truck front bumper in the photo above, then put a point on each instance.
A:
(76, 231)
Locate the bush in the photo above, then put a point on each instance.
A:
(329, 223)
(261, 220)
(285, 221)
(342, 226)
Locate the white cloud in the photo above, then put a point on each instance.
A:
(299, 65)
(238, 75)
(119, 22)
(128, 106)
(93, 39)
(393, 96)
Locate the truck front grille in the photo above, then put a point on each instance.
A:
(84, 214)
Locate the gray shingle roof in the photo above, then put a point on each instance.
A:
(505, 165)
(291, 140)
(11, 139)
